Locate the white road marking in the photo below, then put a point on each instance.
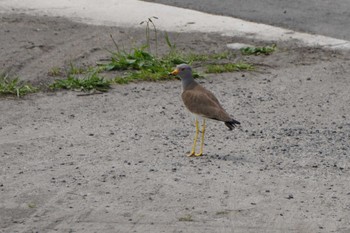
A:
(129, 13)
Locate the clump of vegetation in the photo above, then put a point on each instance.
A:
(55, 71)
(186, 218)
(141, 64)
(149, 22)
(224, 212)
(267, 50)
(73, 70)
(32, 205)
(13, 86)
(90, 82)
(138, 59)
(138, 64)
(229, 67)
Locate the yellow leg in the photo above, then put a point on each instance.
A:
(202, 141)
(192, 153)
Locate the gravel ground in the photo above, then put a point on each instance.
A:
(115, 162)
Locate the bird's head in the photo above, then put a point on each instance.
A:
(184, 71)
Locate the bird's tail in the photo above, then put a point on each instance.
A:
(232, 124)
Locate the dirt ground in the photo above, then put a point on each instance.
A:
(115, 162)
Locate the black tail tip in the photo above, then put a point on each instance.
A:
(232, 124)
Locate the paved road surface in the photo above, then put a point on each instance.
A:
(325, 17)
(129, 13)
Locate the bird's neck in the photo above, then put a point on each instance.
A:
(188, 83)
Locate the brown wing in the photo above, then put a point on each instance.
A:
(208, 93)
(200, 101)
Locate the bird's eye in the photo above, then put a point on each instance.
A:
(182, 69)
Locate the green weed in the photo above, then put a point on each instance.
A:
(224, 212)
(75, 69)
(32, 205)
(229, 67)
(267, 50)
(149, 22)
(90, 82)
(13, 86)
(142, 65)
(186, 218)
(168, 42)
(55, 71)
(138, 59)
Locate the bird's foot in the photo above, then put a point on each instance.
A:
(198, 154)
(191, 154)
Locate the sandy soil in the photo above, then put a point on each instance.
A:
(116, 162)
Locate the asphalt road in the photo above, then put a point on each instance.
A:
(324, 17)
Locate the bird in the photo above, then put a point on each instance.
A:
(202, 103)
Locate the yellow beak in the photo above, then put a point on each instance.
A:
(175, 72)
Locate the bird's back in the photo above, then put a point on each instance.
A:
(201, 101)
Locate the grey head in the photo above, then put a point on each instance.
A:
(185, 73)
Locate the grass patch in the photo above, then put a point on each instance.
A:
(13, 86)
(224, 212)
(186, 218)
(88, 83)
(141, 65)
(229, 67)
(73, 70)
(267, 50)
(138, 59)
(32, 205)
(55, 71)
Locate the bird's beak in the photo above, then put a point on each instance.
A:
(175, 72)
